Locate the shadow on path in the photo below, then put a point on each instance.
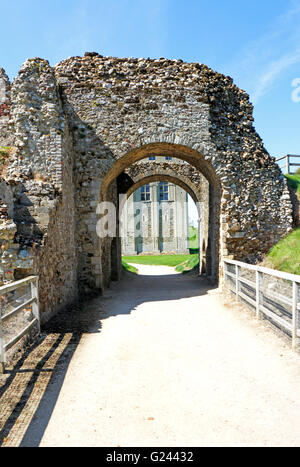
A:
(30, 388)
(41, 367)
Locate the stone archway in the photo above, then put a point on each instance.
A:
(177, 180)
(197, 161)
(179, 151)
(199, 195)
(82, 123)
(184, 175)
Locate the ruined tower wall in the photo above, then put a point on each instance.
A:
(42, 167)
(6, 134)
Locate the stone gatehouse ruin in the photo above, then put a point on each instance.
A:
(71, 136)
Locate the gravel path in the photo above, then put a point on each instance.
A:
(172, 365)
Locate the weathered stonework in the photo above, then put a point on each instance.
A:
(42, 170)
(6, 134)
(80, 125)
(185, 174)
(295, 199)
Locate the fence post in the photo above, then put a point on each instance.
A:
(2, 353)
(237, 282)
(295, 316)
(225, 272)
(287, 164)
(35, 304)
(258, 293)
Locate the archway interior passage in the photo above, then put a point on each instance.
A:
(159, 216)
(208, 208)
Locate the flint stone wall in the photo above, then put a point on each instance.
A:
(44, 200)
(6, 134)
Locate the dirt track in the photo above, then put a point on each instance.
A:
(163, 362)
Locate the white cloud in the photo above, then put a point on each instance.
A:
(296, 92)
(273, 70)
(265, 59)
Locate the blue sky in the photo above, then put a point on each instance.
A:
(257, 43)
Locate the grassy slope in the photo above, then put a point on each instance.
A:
(157, 260)
(285, 255)
(128, 267)
(193, 237)
(182, 263)
(186, 266)
(294, 182)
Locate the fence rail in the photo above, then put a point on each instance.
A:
(12, 303)
(288, 163)
(272, 294)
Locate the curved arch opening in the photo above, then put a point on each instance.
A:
(160, 177)
(156, 217)
(193, 157)
(210, 258)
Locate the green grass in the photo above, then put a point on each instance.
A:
(129, 268)
(294, 182)
(4, 150)
(158, 260)
(4, 153)
(193, 237)
(285, 255)
(191, 263)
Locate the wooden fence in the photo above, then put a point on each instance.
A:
(290, 163)
(13, 301)
(271, 294)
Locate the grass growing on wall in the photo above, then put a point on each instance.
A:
(285, 255)
(4, 153)
(4, 156)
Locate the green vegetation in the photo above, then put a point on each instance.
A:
(193, 238)
(191, 263)
(285, 255)
(157, 260)
(4, 151)
(182, 263)
(294, 182)
(4, 156)
(129, 268)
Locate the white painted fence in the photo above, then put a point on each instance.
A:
(272, 294)
(13, 307)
